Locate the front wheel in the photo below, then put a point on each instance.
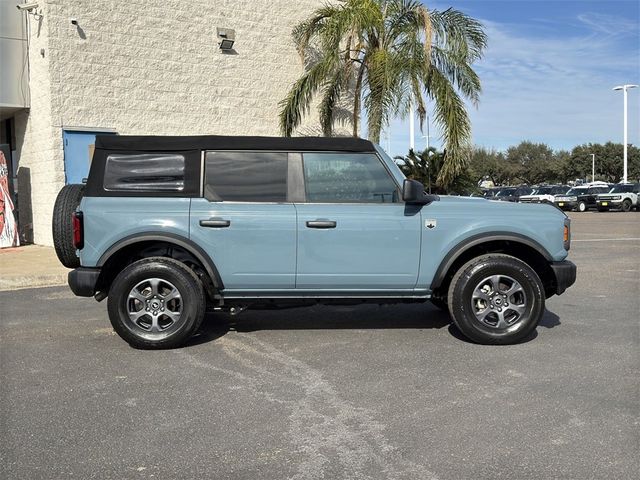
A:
(626, 205)
(496, 299)
(582, 207)
(156, 302)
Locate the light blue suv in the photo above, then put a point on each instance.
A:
(168, 226)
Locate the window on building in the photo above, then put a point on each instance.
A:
(347, 178)
(246, 176)
(145, 172)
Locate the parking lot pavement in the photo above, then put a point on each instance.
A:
(342, 392)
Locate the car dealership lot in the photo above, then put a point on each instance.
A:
(333, 392)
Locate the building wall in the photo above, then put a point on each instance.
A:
(152, 67)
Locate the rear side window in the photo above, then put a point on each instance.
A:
(347, 178)
(145, 172)
(246, 176)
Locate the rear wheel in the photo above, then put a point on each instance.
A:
(626, 205)
(156, 302)
(496, 299)
(67, 201)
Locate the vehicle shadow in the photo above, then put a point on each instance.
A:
(320, 317)
(549, 320)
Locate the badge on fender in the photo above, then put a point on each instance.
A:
(431, 223)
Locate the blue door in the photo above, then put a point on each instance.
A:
(354, 233)
(78, 150)
(245, 222)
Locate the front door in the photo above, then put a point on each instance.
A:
(354, 232)
(78, 151)
(245, 222)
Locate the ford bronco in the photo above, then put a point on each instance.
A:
(167, 227)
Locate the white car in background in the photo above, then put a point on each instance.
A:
(544, 194)
(623, 196)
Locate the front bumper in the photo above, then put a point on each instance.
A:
(565, 273)
(83, 281)
(609, 204)
(564, 205)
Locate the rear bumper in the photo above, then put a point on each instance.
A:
(565, 273)
(83, 281)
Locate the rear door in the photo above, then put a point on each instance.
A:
(354, 232)
(244, 220)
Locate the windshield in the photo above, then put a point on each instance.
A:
(577, 191)
(622, 189)
(543, 191)
(506, 192)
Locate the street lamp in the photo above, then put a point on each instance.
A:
(593, 167)
(624, 88)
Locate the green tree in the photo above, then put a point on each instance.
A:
(388, 52)
(489, 163)
(532, 162)
(608, 162)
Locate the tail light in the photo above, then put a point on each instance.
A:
(78, 230)
(567, 234)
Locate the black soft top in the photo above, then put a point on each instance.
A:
(219, 142)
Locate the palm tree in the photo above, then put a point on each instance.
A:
(421, 166)
(388, 53)
(427, 165)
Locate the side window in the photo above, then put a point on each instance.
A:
(145, 172)
(347, 178)
(246, 176)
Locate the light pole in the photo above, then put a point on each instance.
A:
(593, 167)
(412, 143)
(624, 89)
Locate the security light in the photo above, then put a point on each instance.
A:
(226, 38)
(28, 7)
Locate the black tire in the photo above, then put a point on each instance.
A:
(626, 205)
(170, 273)
(582, 207)
(67, 201)
(473, 274)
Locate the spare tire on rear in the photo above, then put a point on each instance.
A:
(66, 203)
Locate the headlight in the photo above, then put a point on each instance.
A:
(616, 197)
(572, 199)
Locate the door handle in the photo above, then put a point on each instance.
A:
(321, 224)
(215, 223)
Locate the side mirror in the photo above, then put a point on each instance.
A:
(413, 193)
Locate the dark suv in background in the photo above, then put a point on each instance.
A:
(580, 198)
(513, 194)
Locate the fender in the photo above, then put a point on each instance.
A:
(478, 239)
(190, 246)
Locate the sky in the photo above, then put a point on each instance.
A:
(548, 73)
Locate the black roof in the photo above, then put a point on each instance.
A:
(219, 142)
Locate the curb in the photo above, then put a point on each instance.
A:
(35, 281)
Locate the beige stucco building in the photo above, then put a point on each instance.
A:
(72, 67)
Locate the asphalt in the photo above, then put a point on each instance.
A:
(362, 392)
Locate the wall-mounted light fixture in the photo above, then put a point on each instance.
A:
(31, 8)
(226, 38)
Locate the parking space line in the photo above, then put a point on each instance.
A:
(606, 240)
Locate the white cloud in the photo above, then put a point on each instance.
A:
(553, 88)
